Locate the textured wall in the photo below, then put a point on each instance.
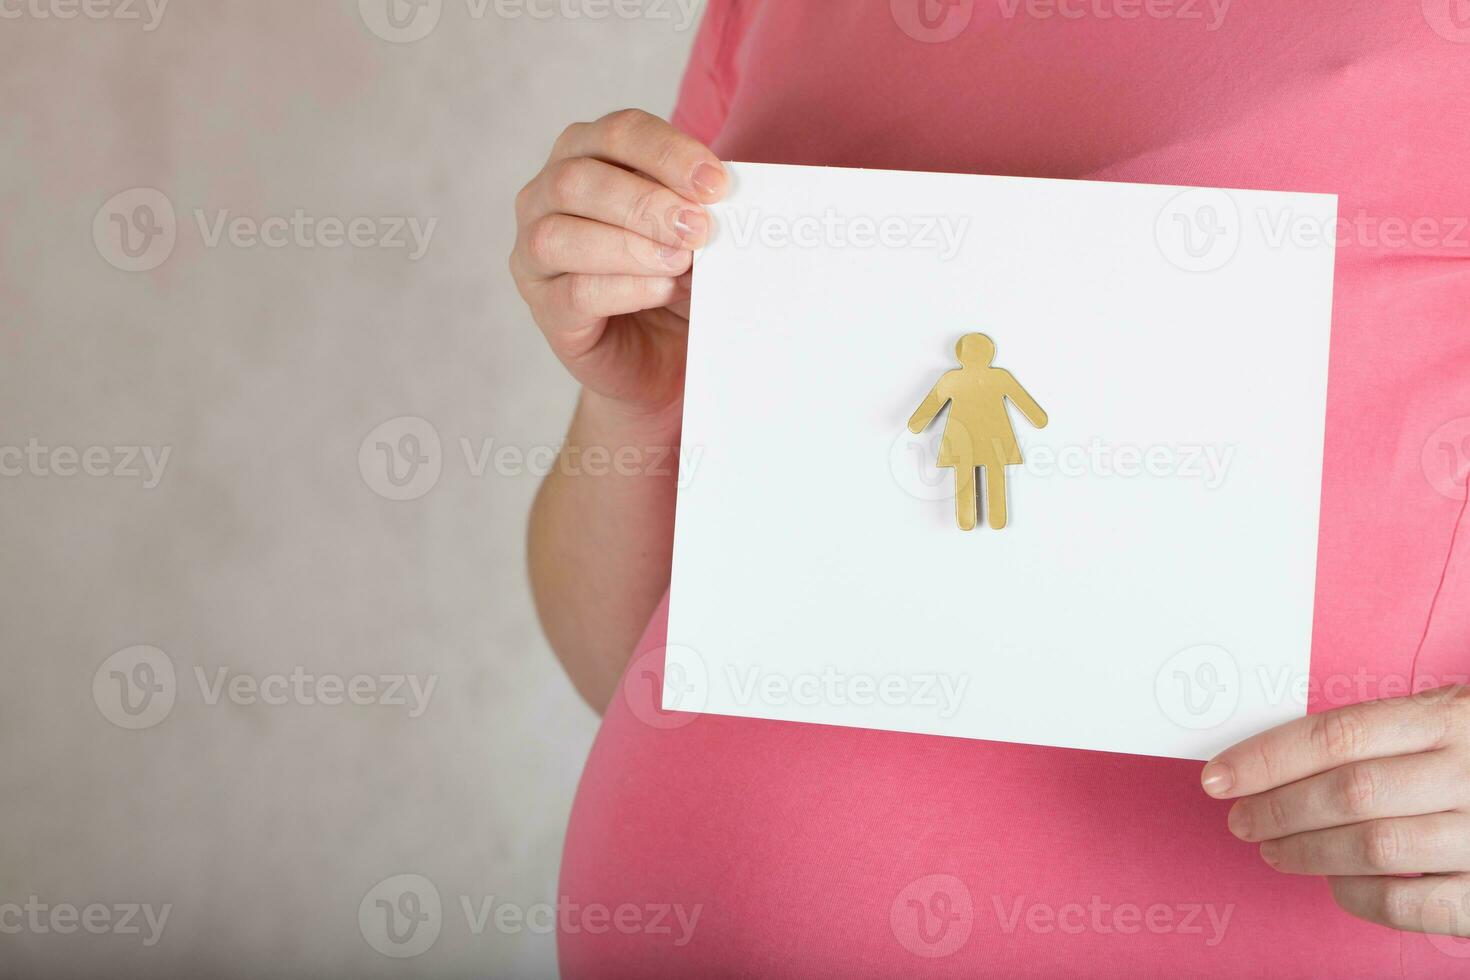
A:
(263, 556)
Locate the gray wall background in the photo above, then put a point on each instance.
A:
(268, 546)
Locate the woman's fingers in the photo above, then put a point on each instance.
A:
(593, 189)
(680, 304)
(1434, 903)
(643, 142)
(1318, 743)
(609, 226)
(1437, 842)
(572, 308)
(560, 243)
(1396, 786)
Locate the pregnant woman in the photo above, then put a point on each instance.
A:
(1335, 846)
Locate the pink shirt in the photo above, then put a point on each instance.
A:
(815, 851)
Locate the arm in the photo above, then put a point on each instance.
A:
(601, 258)
(601, 540)
(924, 414)
(1023, 400)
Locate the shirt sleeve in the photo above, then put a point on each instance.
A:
(710, 77)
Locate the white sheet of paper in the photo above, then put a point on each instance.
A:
(1153, 591)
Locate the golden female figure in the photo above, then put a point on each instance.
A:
(978, 433)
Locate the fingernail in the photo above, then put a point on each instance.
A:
(690, 224)
(671, 254)
(1270, 853)
(1217, 779)
(1240, 822)
(708, 181)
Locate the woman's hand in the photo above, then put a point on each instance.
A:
(604, 242)
(1363, 794)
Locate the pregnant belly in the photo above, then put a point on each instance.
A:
(702, 845)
